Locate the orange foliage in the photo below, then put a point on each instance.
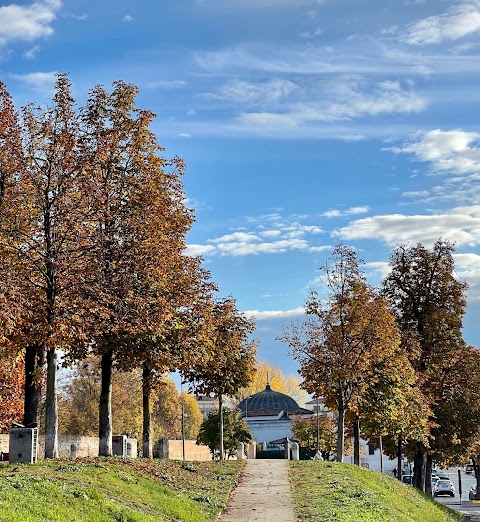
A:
(11, 392)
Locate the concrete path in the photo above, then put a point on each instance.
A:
(263, 494)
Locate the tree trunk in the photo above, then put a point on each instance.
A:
(34, 360)
(105, 406)
(419, 464)
(428, 475)
(220, 410)
(51, 407)
(340, 433)
(399, 458)
(356, 440)
(476, 470)
(147, 413)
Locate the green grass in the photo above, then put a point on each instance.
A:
(115, 490)
(327, 492)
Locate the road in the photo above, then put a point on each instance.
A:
(454, 502)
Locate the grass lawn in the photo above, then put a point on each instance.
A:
(328, 492)
(118, 490)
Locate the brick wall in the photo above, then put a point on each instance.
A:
(192, 451)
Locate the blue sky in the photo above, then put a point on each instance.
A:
(303, 123)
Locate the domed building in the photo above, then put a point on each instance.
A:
(268, 415)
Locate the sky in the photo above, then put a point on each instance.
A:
(304, 124)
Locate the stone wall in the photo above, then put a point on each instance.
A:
(86, 446)
(172, 449)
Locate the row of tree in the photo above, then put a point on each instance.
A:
(393, 359)
(92, 238)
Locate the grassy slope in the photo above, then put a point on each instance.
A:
(105, 490)
(327, 492)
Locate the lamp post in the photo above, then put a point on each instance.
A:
(246, 409)
(183, 421)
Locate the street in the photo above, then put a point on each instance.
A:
(454, 502)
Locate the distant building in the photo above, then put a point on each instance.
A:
(318, 406)
(206, 404)
(370, 456)
(268, 414)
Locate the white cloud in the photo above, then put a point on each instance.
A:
(270, 233)
(184, 135)
(268, 120)
(128, 18)
(27, 22)
(39, 81)
(165, 84)
(240, 248)
(267, 234)
(31, 53)
(311, 34)
(349, 212)
(240, 91)
(468, 269)
(342, 99)
(332, 213)
(236, 236)
(448, 151)
(381, 268)
(357, 210)
(257, 4)
(199, 250)
(458, 21)
(459, 225)
(275, 314)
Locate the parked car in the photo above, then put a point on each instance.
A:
(407, 479)
(473, 492)
(443, 487)
(469, 468)
(435, 479)
(442, 475)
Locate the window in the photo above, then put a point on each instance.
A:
(371, 449)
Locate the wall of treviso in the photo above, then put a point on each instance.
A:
(88, 447)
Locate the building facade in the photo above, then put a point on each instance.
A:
(268, 415)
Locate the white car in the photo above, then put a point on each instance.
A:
(443, 487)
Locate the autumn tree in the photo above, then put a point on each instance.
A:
(11, 157)
(193, 417)
(456, 431)
(317, 432)
(139, 222)
(11, 363)
(167, 412)
(234, 431)
(232, 358)
(79, 399)
(11, 390)
(185, 336)
(429, 303)
(345, 338)
(44, 249)
(11, 223)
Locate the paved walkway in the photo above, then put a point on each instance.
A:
(263, 494)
